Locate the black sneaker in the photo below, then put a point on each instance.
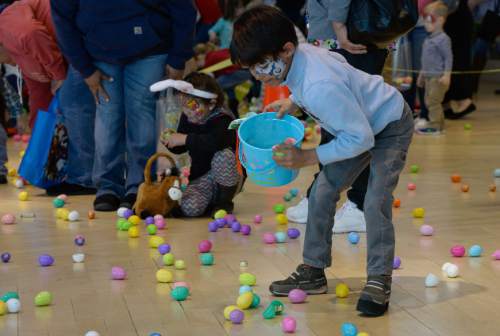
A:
(3, 178)
(128, 201)
(309, 279)
(450, 114)
(70, 189)
(106, 202)
(374, 299)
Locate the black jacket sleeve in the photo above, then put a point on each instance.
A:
(218, 138)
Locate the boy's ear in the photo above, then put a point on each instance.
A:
(289, 49)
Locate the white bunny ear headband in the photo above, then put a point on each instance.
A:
(181, 86)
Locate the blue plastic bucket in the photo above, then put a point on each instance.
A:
(258, 135)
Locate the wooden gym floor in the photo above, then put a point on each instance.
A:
(85, 298)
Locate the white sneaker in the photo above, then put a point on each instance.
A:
(298, 213)
(349, 219)
(421, 123)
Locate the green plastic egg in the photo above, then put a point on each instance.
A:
(119, 223)
(248, 279)
(279, 208)
(255, 301)
(151, 229)
(467, 127)
(168, 259)
(43, 299)
(179, 293)
(9, 295)
(288, 197)
(58, 203)
(125, 226)
(207, 259)
(414, 169)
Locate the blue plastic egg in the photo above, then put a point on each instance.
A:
(475, 251)
(294, 192)
(245, 288)
(353, 238)
(280, 237)
(349, 329)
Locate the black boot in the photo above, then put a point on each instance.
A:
(224, 198)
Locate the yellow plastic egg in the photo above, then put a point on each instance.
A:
(228, 310)
(21, 153)
(12, 172)
(180, 264)
(135, 220)
(362, 334)
(23, 196)
(133, 232)
(342, 291)
(247, 279)
(164, 276)
(281, 219)
(156, 241)
(245, 300)
(62, 213)
(220, 214)
(418, 212)
(3, 308)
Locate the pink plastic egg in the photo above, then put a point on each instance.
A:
(496, 255)
(204, 246)
(288, 325)
(17, 137)
(257, 219)
(268, 238)
(457, 251)
(158, 218)
(412, 186)
(426, 230)
(63, 197)
(25, 138)
(297, 296)
(118, 273)
(8, 219)
(230, 218)
(160, 224)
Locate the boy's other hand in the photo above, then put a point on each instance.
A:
(94, 83)
(282, 107)
(445, 80)
(175, 140)
(289, 156)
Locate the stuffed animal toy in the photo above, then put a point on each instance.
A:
(157, 198)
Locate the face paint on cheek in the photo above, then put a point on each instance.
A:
(273, 68)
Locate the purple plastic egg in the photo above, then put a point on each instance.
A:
(230, 218)
(269, 238)
(258, 219)
(236, 316)
(118, 273)
(149, 220)
(426, 230)
(158, 217)
(396, 263)
(213, 226)
(128, 213)
(221, 222)
(6, 257)
(457, 251)
(288, 325)
(236, 226)
(297, 296)
(164, 249)
(45, 260)
(245, 229)
(80, 240)
(293, 233)
(205, 246)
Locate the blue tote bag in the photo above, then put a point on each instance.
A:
(44, 162)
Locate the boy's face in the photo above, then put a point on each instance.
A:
(433, 22)
(273, 71)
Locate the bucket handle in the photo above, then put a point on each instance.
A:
(247, 167)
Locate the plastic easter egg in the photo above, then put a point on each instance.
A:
(467, 127)
(255, 301)
(258, 219)
(426, 230)
(353, 238)
(73, 216)
(297, 296)
(23, 196)
(5, 257)
(58, 203)
(180, 264)
(62, 213)
(279, 208)
(164, 276)
(452, 271)
(160, 224)
(78, 257)
(43, 299)
(156, 241)
(164, 249)
(414, 169)
(492, 188)
(135, 220)
(221, 222)
(288, 325)
(63, 197)
(213, 226)
(121, 212)
(496, 255)
(362, 334)
(3, 308)
(458, 251)
(19, 183)
(281, 219)
(475, 251)
(8, 219)
(9, 295)
(17, 137)
(91, 214)
(228, 310)
(431, 280)
(445, 266)
(268, 238)
(248, 279)
(149, 220)
(79, 240)
(207, 259)
(158, 217)
(496, 172)
(294, 192)
(455, 178)
(280, 237)
(220, 214)
(341, 290)
(12, 172)
(396, 203)
(118, 273)
(243, 264)
(293, 233)
(133, 232)
(418, 213)
(244, 289)
(168, 259)
(151, 228)
(92, 333)
(230, 218)
(412, 186)
(236, 226)
(13, 306)
(45, 260)
(128, 213)
(179, 293)
(465, 188)
(205, 246)
(155, 334)
(287, 197)
(244, 301)
(396, 263)
(236, 316)
(25, 138)
(348, 329)
(246, 229)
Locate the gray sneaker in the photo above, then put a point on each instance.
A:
(374, 299)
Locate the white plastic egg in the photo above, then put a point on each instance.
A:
(452, 271)
(445, 266)
(92, 333)
(19, 184)
(121, 212)
(431, 280)
(78, 257)
(73, 216)
(13, 305)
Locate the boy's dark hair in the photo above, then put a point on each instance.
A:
(260, 32)
(205, 82)
(229, 8)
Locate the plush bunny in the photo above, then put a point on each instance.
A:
(157, 198)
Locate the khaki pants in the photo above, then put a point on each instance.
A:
(434, 94)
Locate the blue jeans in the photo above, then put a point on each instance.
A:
(78, 108)
(125, 126)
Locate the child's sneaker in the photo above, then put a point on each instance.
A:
(374, 299)
(349, 219)
(310, 279)
(429, 131)
(421, 123)
(298, 213)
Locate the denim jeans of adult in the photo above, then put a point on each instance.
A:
(3, 151)
(125, 133)
(386, 160)
(78, 108)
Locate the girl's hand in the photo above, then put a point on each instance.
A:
(175, 140)
(282, 106)
(289, 156)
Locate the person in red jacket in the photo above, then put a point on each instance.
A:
(28, 39)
